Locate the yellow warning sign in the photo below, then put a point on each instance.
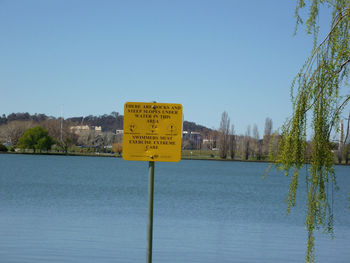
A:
(152, 132)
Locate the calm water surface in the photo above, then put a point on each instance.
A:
(87, 209)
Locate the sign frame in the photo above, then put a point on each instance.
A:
(152, 131)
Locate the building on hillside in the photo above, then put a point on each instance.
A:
(209, 143)
(191, 140)
(79, 129)
(97, 128)
(119, 136)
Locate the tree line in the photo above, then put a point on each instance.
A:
(251, 146)
(228, 144)
(14, 126)
(108, 122)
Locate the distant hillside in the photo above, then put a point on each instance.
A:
(192, 126)
(25, 116)
(108, 122)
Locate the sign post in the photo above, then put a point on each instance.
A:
(152, 132)
(150, 211)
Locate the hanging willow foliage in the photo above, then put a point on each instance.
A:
(316, 95)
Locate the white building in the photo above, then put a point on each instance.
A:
(85, 128)
(80, 129)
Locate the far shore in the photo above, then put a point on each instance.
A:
(184, 157)
(112, 155)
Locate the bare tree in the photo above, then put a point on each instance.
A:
(246, 144)
(340, 151)
(274, 146)
(268, 127)
(68, 137)
(239, 146)
(53, 127)
(232, 142)
(15, 129)
(3, 135)
(257, 144)
(224, 135)
(108, 138)
(90, 139)
(61, 131)
(117, 148)
(267, 136)
(346, 149)
(213, 137)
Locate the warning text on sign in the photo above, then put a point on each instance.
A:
(152, 131)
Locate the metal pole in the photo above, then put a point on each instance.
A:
(150, 211)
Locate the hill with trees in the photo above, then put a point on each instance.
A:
(108, 122)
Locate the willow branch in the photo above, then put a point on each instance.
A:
(343, 65)
(325, 84)
(344, 13)
(336, 113)
(347, 130)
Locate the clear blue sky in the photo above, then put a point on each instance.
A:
(90, 57)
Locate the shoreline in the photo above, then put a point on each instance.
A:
(183, 158)
(117, 156)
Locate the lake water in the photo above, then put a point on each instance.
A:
(91, 209)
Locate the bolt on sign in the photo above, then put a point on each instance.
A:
(152, 132)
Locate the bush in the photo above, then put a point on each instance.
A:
(3, 148)
(36, 138)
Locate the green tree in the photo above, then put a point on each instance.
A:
(36, 138)
(316, 95)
